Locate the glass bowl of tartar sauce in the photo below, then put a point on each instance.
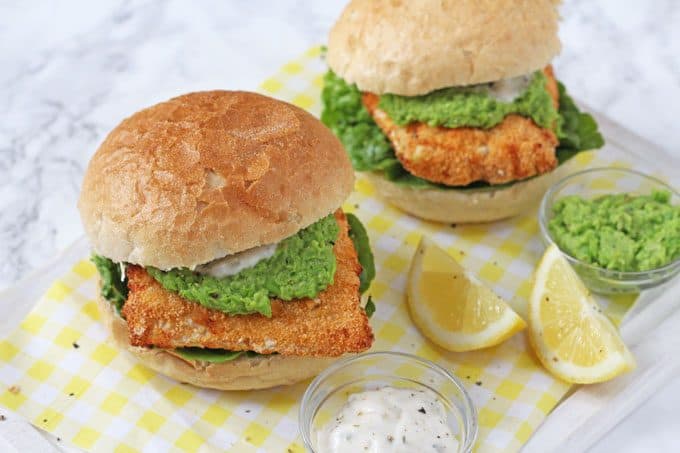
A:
(383, 402)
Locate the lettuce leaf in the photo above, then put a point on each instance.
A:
(370, 150)
(212, 355)
(370, 307)
(359, 237)
(345, 115)
(577, 131)
(113, 283)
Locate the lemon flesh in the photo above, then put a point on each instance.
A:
(452, 308)
(570, 334)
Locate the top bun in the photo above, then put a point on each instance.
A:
(209, 174)
(412, 48)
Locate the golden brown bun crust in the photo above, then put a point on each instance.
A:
(467, 206)
(208, 174)
(390, 46)
(246, 373)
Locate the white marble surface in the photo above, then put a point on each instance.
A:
(70, 71)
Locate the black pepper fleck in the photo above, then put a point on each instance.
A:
(75, 345)
(71, 394)
(453, 225)
(2, 418)
(478, 383)
(422, 410)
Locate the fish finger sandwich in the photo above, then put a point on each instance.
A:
(224, 257)
(451, 107)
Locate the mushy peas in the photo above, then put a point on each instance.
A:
(620, 232)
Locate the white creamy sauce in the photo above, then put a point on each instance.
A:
(233, 264)
(389, 420)
(507, 90)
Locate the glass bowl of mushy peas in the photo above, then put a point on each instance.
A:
(387, 402)
(618, 228)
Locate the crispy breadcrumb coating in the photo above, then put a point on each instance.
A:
(514, 149)
(328, 326)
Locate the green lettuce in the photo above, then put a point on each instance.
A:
(577, 130)
(302, 266)
(113, 283)
(345, 115)
(212, 355)
(359, 237)
(370, 150)
(370, 307)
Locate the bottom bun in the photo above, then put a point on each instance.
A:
(469, 205)
(243, 373)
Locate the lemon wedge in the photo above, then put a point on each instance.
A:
(452, 308)
(571, 336)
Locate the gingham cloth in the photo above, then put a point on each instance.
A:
(60, 370)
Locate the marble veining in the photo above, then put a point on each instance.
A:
(70, 71)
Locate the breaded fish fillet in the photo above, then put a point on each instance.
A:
(330, 325)
(514, 149)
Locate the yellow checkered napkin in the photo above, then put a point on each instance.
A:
(59, 370)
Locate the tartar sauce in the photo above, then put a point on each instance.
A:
(507, 90)
(233, 264)
(389, 420)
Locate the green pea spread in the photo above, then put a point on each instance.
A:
(370, 150)
(472, 106)
(620, 232)
(302, 266)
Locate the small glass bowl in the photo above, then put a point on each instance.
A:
(326, 395)
(605, 181)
